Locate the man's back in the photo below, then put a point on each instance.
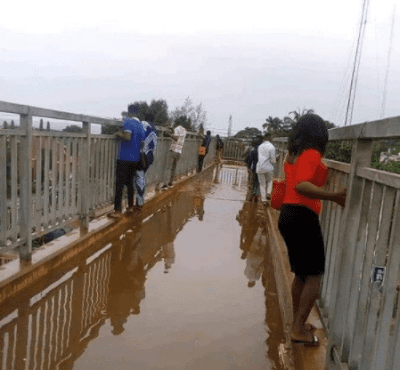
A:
(266, 156)
(130, 150)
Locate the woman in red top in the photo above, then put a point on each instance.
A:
(299, 223)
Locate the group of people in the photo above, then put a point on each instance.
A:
(137, 146)
(260, 159)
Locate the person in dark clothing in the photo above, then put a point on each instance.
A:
(252, 160)
(219, 148)
(128, 162)
(206, 143)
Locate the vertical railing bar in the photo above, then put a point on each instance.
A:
(46, 146)
(25, 221)
(14, 187)
(38, 206)
(3, 191)
(67, 206)
(74, 179)
(53, 181)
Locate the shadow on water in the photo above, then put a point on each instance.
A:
(198, 236)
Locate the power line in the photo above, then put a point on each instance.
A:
(388, 64)
(357, 60)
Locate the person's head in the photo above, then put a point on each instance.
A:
(310, 132)
(217, 137)
(208, 133)
(267, 137)
(132, 110)
(257, 141)
(149, 117)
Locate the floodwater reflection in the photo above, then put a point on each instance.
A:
(117, 309)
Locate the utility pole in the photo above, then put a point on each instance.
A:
(230, 126)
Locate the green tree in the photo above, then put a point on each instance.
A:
(109, 129)
(48, 126)
(289, 122)
(248, 132)
(5, 125)
(273, 125)
(73, 128)
(196, 114)
(41, 124)
(12, 124)
(159, 109)
(185, 122)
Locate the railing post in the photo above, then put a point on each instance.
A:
(3, 191)
(25, 221)
(344, 267)
(84, 184)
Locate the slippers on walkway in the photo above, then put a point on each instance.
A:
(313, 343)
(310, 327)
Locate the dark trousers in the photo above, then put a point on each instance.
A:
(125, 172)
(200, 163)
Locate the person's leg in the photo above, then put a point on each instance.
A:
(130, 183)
(307, 298)
(175, 159)
(263, 186)
(297, 289)
(268, 184)
(200, 163)
(119, 185)
(168, 167)
(140, 183)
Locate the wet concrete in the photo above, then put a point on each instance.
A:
(187, 286)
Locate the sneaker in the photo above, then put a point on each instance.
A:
(170, 184)
(164, 187)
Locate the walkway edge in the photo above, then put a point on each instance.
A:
(310, 359)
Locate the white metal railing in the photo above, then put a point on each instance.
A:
(50, 179)
(359, 298)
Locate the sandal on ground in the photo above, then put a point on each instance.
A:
(310, 327)
(306, 343)
(114, 215)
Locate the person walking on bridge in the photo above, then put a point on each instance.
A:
(206, 144)
(298, 223)
(128, 162)
(265, 167)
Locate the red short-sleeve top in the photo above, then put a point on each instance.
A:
(307, 168)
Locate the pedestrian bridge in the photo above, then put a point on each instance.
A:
(105, 281)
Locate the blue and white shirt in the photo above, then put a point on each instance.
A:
(150, 142)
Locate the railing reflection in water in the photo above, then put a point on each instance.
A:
(51, 329)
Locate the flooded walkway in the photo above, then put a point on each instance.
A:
(188, 286)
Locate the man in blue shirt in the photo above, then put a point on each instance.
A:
(128, 162)
(149, 147)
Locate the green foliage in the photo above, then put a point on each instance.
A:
(159, 109)
(339, 151)
(185, 122)
(248, 132)
(48, 126)
(390, 166)
(5, 125)
(41, 124)
(109, 129)
(73, 128)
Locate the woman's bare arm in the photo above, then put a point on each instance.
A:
(312, 191)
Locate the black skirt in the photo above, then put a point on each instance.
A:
(301, 231)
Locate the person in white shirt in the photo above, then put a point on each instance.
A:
(178, 136)
(265, 166)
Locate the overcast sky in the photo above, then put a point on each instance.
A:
(248, 59)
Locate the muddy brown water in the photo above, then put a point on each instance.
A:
(174, 291)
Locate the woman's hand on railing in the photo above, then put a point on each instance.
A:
(340, 197)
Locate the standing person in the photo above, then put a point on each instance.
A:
(128, 161)
(298, 221)
(178, 136)
(206, 143)
(252, 161)
(219, 147)
(149, 147)
(265, 167)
